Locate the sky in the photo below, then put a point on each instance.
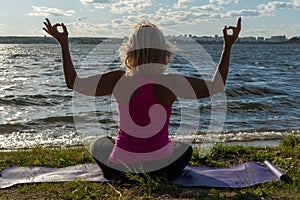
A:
(112, 18)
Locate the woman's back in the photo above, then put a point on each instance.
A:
(127, 85)
(143, 122)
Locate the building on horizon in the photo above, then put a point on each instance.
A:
(278, 39)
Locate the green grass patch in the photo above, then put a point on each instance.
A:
(286, 157)
(45, 157)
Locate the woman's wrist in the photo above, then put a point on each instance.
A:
(63, 43)
(227, 47)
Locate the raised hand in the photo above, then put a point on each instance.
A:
(230, 39)
(52, 30)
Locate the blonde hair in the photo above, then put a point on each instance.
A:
(146, 52)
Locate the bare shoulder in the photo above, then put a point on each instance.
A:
(116, 73)
(166, 77)
(112, 76)
(171, 79)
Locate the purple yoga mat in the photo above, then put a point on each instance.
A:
(240, 176)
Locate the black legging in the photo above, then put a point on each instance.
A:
(172, 167)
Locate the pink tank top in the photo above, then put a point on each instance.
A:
(143, 127)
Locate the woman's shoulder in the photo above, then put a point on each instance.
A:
(113, 75)
(170, 77)
(117, 72)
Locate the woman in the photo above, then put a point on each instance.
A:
(145, 96)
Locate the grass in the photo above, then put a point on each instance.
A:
(286, 156)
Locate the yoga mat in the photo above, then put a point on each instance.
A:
(240, 176)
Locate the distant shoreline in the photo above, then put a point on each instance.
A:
(97, 40)
(48, 40)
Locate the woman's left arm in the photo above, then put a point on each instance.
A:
(204, 88)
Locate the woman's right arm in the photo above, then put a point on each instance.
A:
(98, 85)
(191, 87)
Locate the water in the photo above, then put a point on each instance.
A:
(262, 94)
